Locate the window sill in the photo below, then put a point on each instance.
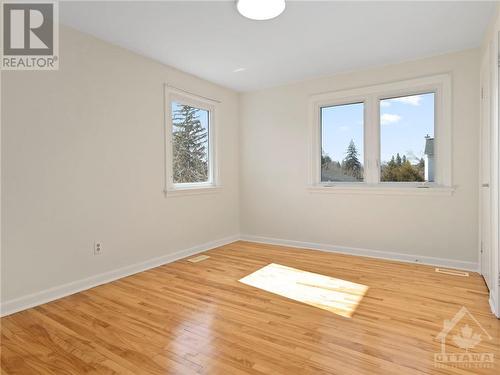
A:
(381, 189)
(192, 190)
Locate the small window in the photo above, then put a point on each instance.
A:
(407, 138)
(342, 155)
(191, 165)
(190, 144)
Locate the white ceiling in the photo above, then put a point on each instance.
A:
(310, 39)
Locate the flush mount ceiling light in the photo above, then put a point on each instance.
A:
(260, 10)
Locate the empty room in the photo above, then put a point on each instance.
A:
(250, 187)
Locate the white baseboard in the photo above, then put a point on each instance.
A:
(35, 299)
(409, 258)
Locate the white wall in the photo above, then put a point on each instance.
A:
(83, 160)
(274, 199)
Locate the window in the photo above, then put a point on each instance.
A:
(393, 137)
(342, 143)
(190, 138)
(407, 138)
(190, 143)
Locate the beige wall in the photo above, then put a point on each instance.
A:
(83, 160)
(274, 168)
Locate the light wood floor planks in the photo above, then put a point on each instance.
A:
(197, 318)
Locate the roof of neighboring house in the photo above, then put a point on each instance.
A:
(429, 146)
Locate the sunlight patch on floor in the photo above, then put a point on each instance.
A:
(328, 293)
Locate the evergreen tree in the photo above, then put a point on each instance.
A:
(325, 159)
(389, 170)
(408, 172)
(190, 154)
(421, 168)
(399, 169)
(421, 163)
(351, 163)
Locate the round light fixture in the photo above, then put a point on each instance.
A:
(260, 10)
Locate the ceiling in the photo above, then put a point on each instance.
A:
(211, 40)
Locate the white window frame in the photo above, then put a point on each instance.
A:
(213, 184)
(371, 96)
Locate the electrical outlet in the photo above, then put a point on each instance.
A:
(98, 248)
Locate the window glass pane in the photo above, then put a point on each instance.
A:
(407, 138)
(190, 128)
(342, 143)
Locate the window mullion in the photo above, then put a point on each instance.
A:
(376, 139)
(371, 140)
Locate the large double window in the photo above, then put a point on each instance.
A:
(385, 136)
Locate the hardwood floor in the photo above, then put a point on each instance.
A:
(197, 318)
